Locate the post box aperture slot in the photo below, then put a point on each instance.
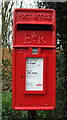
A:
(36, 27)
(34, 74)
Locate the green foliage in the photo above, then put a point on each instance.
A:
(61, 90)
(6, 74)
(7, 112)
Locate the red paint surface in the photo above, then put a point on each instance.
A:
(26, 35)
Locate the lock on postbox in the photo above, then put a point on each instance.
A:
(34, 59)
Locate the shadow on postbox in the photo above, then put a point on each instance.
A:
(34, 59)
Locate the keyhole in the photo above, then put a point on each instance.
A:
(22, 76)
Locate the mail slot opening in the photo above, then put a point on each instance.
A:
(36, 27)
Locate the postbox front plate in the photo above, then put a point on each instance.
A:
(32, 99)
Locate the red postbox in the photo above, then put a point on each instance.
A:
(34, 59)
